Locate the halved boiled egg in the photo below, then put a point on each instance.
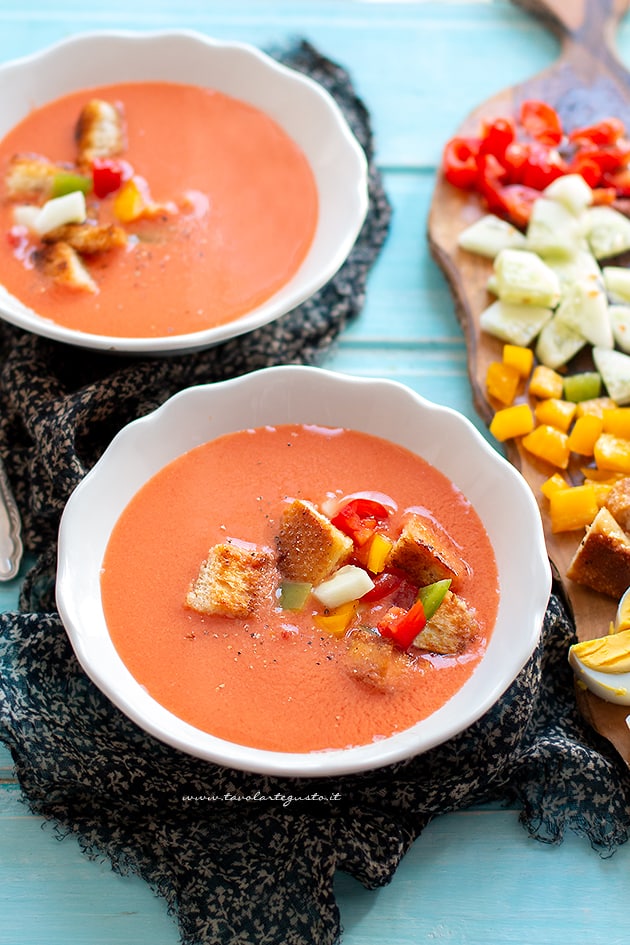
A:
(603, 664)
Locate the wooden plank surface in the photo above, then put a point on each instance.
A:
(472, 877)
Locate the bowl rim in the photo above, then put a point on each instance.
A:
(269, 387)
(349, 156)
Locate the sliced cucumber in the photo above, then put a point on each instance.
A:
(619, 316)
(61, 210)
(571, 191)
(492, 286)
(584, 386)
(614, 367)
(557, 343)
(553, 230)
(617, 282)
(346, 584)
(580, 266)
(489, 235)
(516, 324)
(584, 308)
(523, 278)
(607, 231)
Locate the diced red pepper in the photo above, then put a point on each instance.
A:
(459, 161)
(385, 583)
(541, 122)
(588, 168)
(542, 165)
(359, 518)
(402, 626)
(497, 135)
(108, 175)
(604, 132)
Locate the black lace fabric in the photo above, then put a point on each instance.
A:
(241, 858)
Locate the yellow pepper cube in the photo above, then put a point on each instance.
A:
(549, 444)
(502, 381)
(378, 553)
(337, 621)
(551, 485)
(546, 383)
(511, 422)
(596, 406)
(520, 358)
(557, 413)
(130, 202)
(612, 453)
(573, 508)
(617, 421)
(602, 491)
(585, 433)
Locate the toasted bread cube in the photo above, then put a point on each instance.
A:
(602, 560)
(30, 177)
(88, 238)
(451, 628)
(61, 263)
(423, 554)
(310, 547)
(373, 661)
(618, 503)
(99, 132)
(230, 581)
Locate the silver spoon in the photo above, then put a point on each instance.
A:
(10, 529)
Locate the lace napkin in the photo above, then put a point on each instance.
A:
(243, 859)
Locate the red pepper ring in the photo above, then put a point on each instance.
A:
(402, 626)
(359, 517)
(459, 161)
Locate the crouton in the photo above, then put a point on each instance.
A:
(99, 132)
(451, 628)
(602, 560)
(618, 503)
(422, 553)
(30, 177)
(230, 581)
(88, 238)
(62, 264)
(309, 546)
(374, 662)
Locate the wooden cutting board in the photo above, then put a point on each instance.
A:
(587, 82)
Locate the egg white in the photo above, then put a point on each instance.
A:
(613, 687)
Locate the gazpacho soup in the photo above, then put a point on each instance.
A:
(300, 588)
(148, 209)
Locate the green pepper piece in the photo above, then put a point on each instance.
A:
(293, 594)
(584, 386)
(66, 182)
(432, 596)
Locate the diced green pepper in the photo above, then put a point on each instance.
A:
(432, 596)
(584, 386)
(65, 182)
(293, 594)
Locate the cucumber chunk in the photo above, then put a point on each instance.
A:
(571, 191)
(523, 278)
(607, 231)
(584, 386)
(557, 343)
(617, 282)
(619, 316)
(614, 367)
(580, 266)
(584, 308)
(516, 324)
(489, 235)
(553, 230)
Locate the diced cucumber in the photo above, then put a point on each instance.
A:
(584, 308)
(516, 324)
(25, 214)
(619, 316)
(60, 210)
(293, 594)
(553, 230)
(523, 278)
(489, 235)
(572, 191)
(617, 282)
(346, 584)
(614, 367)
(492, 285)
(580, 266)
(584, 386)
(607, 231)
(557, 343)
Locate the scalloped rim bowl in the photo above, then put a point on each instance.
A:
(296, 394)
(301, 106)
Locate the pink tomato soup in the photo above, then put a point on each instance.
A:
(246, 212)
(275, 681)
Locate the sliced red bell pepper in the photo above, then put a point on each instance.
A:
(604, 132)
(385, 583)
(542, 165)
(515, 202)
(497, 135)
(541, 122)
(619, 182)
(108, 175)
(402, 626)
(459, 161)
(359, 517)
(588, 168)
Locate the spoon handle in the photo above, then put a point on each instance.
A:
(10, 528)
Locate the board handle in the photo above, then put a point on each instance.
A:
(589, 23)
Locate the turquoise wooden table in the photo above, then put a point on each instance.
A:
(473, 876)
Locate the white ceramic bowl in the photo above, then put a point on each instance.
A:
(296, 394)
(301, 106)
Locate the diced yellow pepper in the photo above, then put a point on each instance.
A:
(511, 422)
(602, 491)
(601, 475)
(586, 431)
(573, 508)
(557, 413)
(549, 444)
(337, 621)
(378, 553)
(546, 382)
(612, 453)
(520, 358)
(617, 421)
(502, 382)
(130, 201)
(595, 406)
(551, 485)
